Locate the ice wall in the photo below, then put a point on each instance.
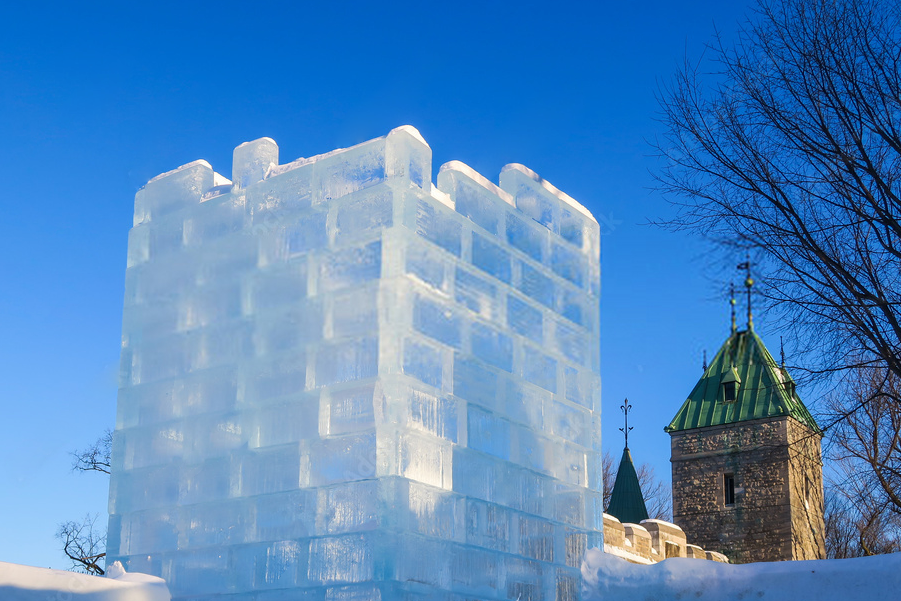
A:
(340, 382)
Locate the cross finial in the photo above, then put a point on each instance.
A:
(626, 407)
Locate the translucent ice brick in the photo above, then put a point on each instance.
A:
(343, 173)
(525, 319)
(438, 225)
(525, 237)
(568, 263)
(536, 285)
(488, 433)
(423, 362)
(492, 347)
(306, 233)
(474, 382)
(475, 292)
(251, 161)
(349, 507)
(351, 267)
(428, 266)
(347, 361)
(173, 191)
(350, 410)
(437, 320)
(434, 414)
(491, 258)
(347, 558)
(364, 214)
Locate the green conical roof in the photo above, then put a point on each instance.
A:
(626, 501)
(762, 388)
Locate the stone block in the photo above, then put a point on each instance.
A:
(667, 539)
(640, 539)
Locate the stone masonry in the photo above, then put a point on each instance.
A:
(775, 464)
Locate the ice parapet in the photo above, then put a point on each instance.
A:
(339, 381)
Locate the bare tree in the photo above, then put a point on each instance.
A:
(96, 457)
(792, 149)
(657, 495)
(863, 509)
(83, 545)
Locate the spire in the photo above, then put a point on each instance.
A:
(626, 501)
(626, 407)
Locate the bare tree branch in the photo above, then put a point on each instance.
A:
(793, 149)
(96, 457)
(83, 545)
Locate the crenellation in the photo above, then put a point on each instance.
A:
(172, 191)
(252, 162)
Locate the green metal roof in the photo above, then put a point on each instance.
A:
(626, 501)
(764, 389)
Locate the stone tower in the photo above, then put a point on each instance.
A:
(747, 470)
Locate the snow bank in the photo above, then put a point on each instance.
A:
(611, 578)
(25, 583)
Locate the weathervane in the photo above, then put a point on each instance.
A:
(732, 304)
(749, 282)
(626, 407)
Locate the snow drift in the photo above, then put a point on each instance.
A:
(25, 583)
(610, 578)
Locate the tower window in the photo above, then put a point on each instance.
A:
(729, 391)
(729, 488)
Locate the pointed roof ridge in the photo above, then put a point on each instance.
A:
(626, 501)
(762, 388)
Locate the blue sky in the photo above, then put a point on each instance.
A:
(98, 97)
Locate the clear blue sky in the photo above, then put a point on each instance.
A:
(98, 97)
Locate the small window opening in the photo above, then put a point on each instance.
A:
(807, 492)
(729, 488)
(729, 391)
(790, 388)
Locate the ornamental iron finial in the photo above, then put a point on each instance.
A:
(626, 407)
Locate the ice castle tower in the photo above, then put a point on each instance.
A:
(340, 382)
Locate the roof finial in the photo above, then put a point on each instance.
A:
(782, 353)
(749, 282)
(704, 366)
(732, 304)
(626, 407)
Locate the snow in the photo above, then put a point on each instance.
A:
(26, 583)
(611, 578)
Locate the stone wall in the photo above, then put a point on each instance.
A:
(650, 542)
(773, 462)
